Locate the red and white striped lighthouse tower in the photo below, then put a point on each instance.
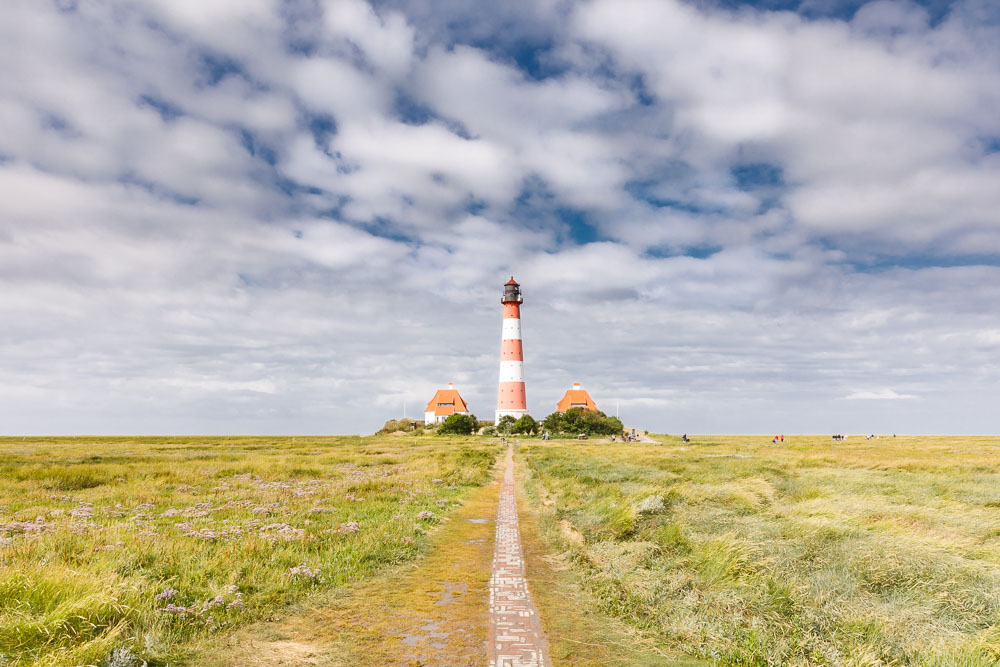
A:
(510, 396)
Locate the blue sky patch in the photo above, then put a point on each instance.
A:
(57, 123)
(323, 127)
(411, 111)
(643, 96)
(158, 190)
(533, 57)
(292, 187)
(257, 148)
(696, 251)
(825, 9)
(167, 110)
(879, 263)
(581, 230)
(991, 145)
(214, 67)
(474, 206)
(389, 229)
(757, 175)
(646, 192)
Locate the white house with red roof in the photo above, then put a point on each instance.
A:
(446, 402)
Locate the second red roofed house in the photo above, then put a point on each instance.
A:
(577, 397)
(446, 402)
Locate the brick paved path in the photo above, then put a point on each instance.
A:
(516, 638)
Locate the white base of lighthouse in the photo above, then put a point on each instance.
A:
(516, 414)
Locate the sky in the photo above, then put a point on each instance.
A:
(296, 216)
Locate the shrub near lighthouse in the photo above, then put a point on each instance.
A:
(511, 398)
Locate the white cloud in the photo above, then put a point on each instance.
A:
(545, 124)
(878, 395)
(212, 386)
(332, 86)
(253, 216)
(387, 41)
(873, 132)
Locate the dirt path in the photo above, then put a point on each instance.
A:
(465, 603)
(516, 638)
(431, 613)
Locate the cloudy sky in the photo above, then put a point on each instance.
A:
(296, 216)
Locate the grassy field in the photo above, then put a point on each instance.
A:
(119, 550)
(735, 551)
(430, 612)
(725, 550)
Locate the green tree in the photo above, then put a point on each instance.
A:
(553, 423)
(526, 425)
(579, 420)
(506, 425)
(574, 421)
(458, 425)
(613, 425)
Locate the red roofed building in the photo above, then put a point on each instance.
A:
(446, 402)
(576, 398)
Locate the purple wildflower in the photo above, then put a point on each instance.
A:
(167, 593)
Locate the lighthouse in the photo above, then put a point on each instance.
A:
(510, 395)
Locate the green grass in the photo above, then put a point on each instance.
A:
(864, 552)
(93, 530)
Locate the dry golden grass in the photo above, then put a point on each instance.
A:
(432, 612)
(579, 630)
(137, 547)
(727, 550)
(864, 552)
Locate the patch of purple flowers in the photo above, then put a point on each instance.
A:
(167, 593)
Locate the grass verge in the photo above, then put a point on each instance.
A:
(868, 552)
(138, 548)
(579, 631)
(431, 612)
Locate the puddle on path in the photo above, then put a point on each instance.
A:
(431, 628)
(451, 593)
